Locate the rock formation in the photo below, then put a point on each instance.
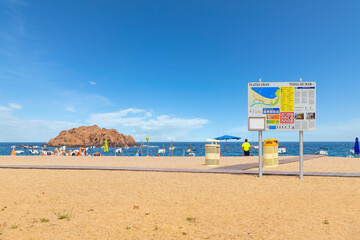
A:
(87, 136)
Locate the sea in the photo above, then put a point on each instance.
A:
(334, 149)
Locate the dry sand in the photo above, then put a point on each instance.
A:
(100, 204)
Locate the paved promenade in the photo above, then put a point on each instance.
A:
(247, 166)
(216, 170)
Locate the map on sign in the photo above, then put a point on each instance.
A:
(286, 106)
(264, 96)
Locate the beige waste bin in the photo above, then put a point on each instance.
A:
(276, 151)
(268, 153)
(212, 152)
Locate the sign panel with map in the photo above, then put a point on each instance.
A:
(286, 106)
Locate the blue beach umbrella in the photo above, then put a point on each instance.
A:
(227, 137)
(356, 147)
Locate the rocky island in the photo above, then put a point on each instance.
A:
(87, 136)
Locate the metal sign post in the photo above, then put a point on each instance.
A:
(260, 151)
(301, 160)
(260, 155)
(301, 151)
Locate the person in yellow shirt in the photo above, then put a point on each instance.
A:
(246, 147)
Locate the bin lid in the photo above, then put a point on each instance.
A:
(269, 142)
(275, 141)
(212, 140)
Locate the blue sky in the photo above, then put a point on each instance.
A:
(172, 69)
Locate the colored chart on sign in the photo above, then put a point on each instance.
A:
(272, 121)
(287, 99)
(286, 117)
(273, 116)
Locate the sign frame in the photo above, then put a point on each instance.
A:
(291, 106)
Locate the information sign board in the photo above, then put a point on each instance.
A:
(285, 106)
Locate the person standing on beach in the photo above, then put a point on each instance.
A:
(246, 147)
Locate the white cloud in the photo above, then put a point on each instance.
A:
(15, 106)
(166, 121)
(11, 107)
(138, 122)
(142, 123)
(116, 118)
(15, 129)
(70, 109)
(92, 83)
(3, 109)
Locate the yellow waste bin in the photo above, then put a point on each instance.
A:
(268, 153)
(212, 152)
(276, 151)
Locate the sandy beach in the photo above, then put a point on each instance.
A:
(73, 204)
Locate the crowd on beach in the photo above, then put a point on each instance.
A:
(63, 152)
(80, 152)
